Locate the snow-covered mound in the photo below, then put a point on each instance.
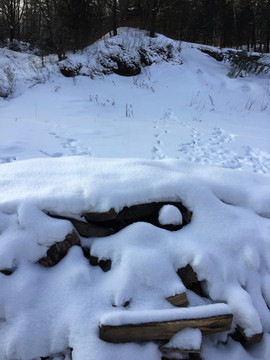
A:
(47, 311)
(20, 71)
(124, 54)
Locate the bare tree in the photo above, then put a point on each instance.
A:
(12, 11)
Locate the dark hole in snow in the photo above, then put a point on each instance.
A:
(7, 271)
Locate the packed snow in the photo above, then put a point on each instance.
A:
(183, 131)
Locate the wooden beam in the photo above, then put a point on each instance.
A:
(164, 330)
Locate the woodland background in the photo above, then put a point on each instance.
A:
(57, 26)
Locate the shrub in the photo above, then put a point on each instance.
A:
(243, 62)
(7, 82)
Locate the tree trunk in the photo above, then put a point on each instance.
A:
(114, 17)
(153, 20)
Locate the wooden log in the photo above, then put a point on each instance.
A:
(189, 279)
(104, 264)
(58, 250)
(186, 341)
(101, 216)
(172, 351)
(86, 229)
(179, 300)
(242, 337)
(164, 330)
(141, 212)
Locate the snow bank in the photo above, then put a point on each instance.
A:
(45, 311)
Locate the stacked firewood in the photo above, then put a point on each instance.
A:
(171, 331)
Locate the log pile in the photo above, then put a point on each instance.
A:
(99, 225)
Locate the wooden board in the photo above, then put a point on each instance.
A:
(163, 330)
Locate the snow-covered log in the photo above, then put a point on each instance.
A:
(128, 326)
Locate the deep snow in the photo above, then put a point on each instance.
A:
(176, 118)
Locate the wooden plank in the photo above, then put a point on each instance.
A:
(179, 300)
(163, 330)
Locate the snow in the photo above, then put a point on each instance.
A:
(170, 214)
(138, 317)
(182, 130)
(188, 339)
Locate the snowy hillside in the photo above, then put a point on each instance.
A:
(191, 111)
(91, 237)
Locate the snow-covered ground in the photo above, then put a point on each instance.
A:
(184, 121)
(191, 111)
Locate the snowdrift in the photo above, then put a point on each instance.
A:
(47, 311)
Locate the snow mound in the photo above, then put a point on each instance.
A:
(124, 54)
(46, 311)
(170, 214)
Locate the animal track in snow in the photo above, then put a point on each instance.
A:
(162, 127)
(215, 152)
(70, 144)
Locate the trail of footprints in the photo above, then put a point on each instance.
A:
(161, 128)
(212, 150)
(69, 144)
